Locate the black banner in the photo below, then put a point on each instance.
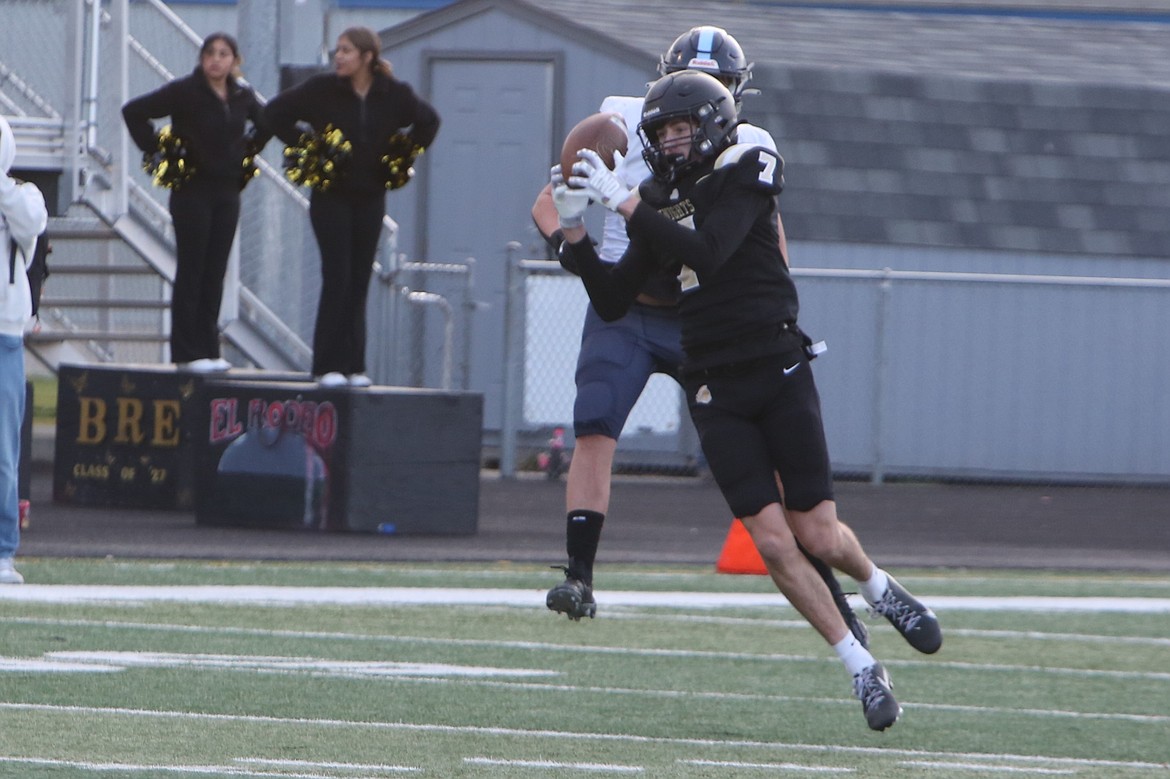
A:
(381, 459)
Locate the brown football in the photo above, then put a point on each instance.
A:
(604, 133)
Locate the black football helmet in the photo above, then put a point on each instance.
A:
(687, 94)
(710, 50)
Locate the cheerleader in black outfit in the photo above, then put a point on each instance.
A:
(210, 111)
(363, 100)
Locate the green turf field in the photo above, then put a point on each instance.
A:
(246, 682)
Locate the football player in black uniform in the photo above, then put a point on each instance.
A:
(708, 212)
(618, 356)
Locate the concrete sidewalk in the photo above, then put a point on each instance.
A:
(669, 520)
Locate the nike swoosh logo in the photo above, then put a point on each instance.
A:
(791, 368)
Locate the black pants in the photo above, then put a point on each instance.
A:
(347, 228)
(205, 214)
(761, 418)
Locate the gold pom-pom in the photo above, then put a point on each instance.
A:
(248, 167)
(317, 159)
(248, 170)
(170, 164)
(398, 161)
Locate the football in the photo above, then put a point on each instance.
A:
(604, 133)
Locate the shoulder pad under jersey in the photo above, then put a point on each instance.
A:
(633, 168)
(629, 107)
(753, 166)
(754, 136)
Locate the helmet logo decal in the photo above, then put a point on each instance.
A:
(704, 64)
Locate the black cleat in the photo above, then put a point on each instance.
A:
(572, 597)
(875, 691)
(917, 624)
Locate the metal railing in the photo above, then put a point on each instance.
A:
(424, 358)
(119, 46)
(998, 376)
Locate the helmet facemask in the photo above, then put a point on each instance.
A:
(699, 99)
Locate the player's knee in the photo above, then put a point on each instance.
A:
(817, 528)
(778, 549)
(772, 538)
(594, 411)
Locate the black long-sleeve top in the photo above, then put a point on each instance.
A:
(215, 131)
(327, 99)
(737, 294)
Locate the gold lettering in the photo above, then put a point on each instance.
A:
(91, 425)
(92, 471)
(678, 211)
(166, 417)
(129, 421)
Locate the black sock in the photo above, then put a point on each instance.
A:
(582, 534)
(826, 573)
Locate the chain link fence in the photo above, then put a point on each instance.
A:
(1003, 377)
(546, 309)
(34, 34)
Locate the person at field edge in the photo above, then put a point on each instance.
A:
(218, 119)
(617, 358)
(23, 217)
(363, 100)
(708, 214)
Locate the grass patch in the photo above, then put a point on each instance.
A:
(44, 398)
(443, 690)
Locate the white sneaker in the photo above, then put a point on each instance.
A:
(205, 365)
(360, 380)
(332, 379)
(9, 574)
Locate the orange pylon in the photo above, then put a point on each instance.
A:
(739, 553)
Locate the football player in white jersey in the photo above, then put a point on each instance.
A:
(617, 358)
(708, 214)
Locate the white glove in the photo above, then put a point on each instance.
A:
(600, 182)
(570, 204)
(555, 176)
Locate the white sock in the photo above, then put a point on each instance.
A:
(873, 588)
(856, 657)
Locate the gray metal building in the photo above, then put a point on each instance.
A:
(978, 205)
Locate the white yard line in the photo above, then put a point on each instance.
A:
(157, 769)
(416, 727)
(537, 646)
(449, 596)
(478, 676)
(332, 766)
(788, 767)
(765, 622)
(1030, 635)
(986, 768)
(597, 768)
